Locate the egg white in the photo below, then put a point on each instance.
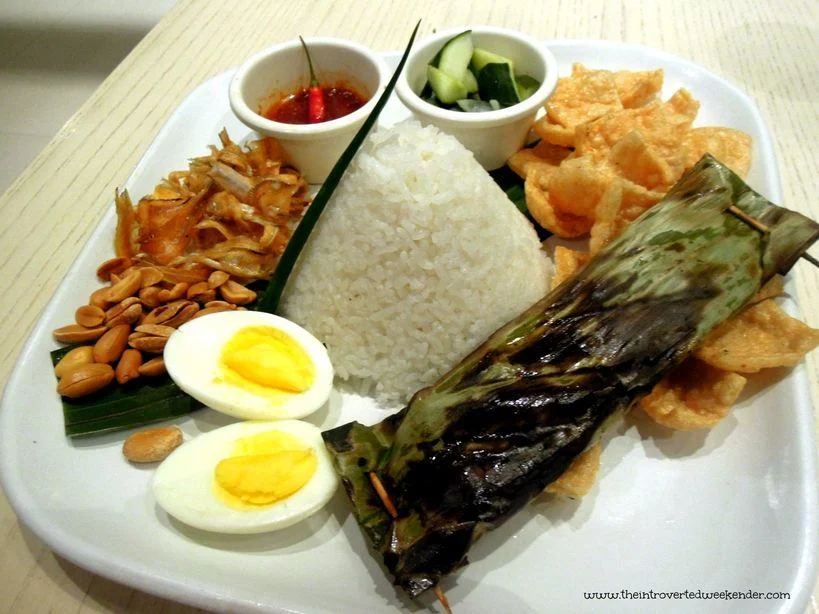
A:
(193, 355)
(183, 484)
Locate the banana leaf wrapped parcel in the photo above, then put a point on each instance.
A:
(492, 433)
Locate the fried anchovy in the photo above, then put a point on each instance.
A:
(471, 450)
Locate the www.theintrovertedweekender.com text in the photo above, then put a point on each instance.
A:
(724, 595)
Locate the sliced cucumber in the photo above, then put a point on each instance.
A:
(474, 79)
(470, 105)
(470, 82)
(526, 86)
(455, 55)
(497, 81)
(447, 89)
(482, 57)
(435, 59)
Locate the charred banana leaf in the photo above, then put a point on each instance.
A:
(469, 451)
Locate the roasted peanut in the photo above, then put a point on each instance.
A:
(197, 288)
(125, 287)
(164, 312)
(151, 344)
(173, 314)
(150, 296)
(224, 304)
(179, 290)
(74, 333)
(117, 309)
(152, 445)
(209, 310)
(89, 316)
(85, 379)
(110, 346)
(150, 276)
(217, 278)
(128, 366)
(183, 315)
(175, 293)
(99, 298)
(206, 297)
(236, 293)
(130, 270)
(153, 367)
(201, 292)
(114, 265)
(78, 356)
(157, 330)
(129, 315)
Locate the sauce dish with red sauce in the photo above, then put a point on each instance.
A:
(270, 92)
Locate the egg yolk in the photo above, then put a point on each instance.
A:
(264, 469)
(266, 359)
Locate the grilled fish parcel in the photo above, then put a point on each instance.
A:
(475, 447)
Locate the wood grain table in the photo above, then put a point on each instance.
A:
(767, 50)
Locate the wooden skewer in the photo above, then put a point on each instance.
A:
(811, 259)
(390, 507)
(439, 593)
(755, 223)
(751, 221)
(382, 494)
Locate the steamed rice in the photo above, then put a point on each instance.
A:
(416, 260)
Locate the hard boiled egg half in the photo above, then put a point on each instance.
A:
(248, 477)
(250, 365)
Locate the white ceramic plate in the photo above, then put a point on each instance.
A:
(732, 509)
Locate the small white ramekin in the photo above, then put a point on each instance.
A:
(313, 148)
(492, 136)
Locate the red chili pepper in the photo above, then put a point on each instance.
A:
(316, 112)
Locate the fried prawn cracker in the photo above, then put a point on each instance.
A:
(577, 185)
(636, 160)
(637, 200)
(553, 133)
(607, 221)
(683, 109)
(624, 155)
(541, 208)
(622, 203)
(581, 475)
(662, 126)
(543, 155)
(694, 395)
(583, 96)
(774, 287)
(521, 162)
(731, 147)
(637, 87)
(761, 336)
(567, 263)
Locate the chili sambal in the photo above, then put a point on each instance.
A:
(339, 100)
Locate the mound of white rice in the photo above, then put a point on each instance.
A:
(415, 261)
